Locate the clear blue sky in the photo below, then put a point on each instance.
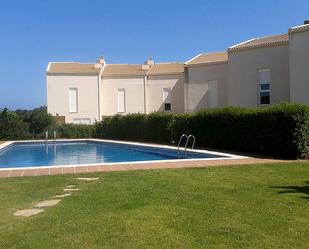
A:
(32, 33)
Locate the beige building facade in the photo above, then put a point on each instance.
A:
(299, 63)
(257, 72)
(258, 66)
(206, 82)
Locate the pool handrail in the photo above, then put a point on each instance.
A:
(182, 136)
(193, 143)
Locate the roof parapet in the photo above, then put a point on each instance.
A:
(300, 28)
(262, 42)
(149, 62)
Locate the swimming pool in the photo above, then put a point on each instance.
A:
(88, 152)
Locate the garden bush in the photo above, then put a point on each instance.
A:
(12, 127)
(136, 127)
(74, 131)
(280, 130)
(32, 124)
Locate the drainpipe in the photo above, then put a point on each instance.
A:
(145, 88)
(99, 96)
(145, 94)
(99, 90)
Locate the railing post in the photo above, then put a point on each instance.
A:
(46, 136)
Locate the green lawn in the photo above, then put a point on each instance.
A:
(229, 207)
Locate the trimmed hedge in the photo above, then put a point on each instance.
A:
(74, 131)
(136, 127)
(279, 130)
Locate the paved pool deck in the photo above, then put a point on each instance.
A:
(142, 166)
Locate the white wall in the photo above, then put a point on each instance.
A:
(243, 75)
(58, 96)
(196, 87)
(299, 67)
(134, 94)
(154, 92)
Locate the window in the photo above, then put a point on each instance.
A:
(73, 100)
(264, 87)
(121, 100)
(167, 106)
(167, 99)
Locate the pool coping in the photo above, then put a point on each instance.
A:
(148, 165)
(150, 145)
(136, 165)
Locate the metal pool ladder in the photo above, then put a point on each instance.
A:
(47, 136)
(55, 136)
(187, 141)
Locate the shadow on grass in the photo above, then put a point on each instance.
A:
(304, 189)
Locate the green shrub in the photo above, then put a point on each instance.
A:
(74, 131)
(12, 127)
(40, 120)
(279, 130)
(156, 128)
(37, 121)
(136, 127)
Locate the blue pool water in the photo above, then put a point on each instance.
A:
(68, 153)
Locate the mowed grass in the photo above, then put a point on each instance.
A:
(256, 206)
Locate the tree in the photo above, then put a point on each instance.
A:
(12, 127)
(40, 120)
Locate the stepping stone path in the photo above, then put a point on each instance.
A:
(53, 202)
(88, 178)
(28, 212)
(70, 189)
(48, 203)
(61, 196)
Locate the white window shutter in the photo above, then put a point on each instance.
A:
(121, 100)
(264, 76)
(167, 98)
(73, 100)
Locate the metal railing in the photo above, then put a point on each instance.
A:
(187, 141)
(47, 136)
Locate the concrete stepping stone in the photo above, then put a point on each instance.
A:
(88, 178)
(48, 203)
(70, 186)
(70, 189)
(28, 212)
(61, 196)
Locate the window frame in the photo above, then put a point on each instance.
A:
(76, 100)
(260, 87)
(124, 100)
(167, 99)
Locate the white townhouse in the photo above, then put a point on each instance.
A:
(86, 93)
(256, 72)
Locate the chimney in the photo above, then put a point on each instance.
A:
(99, 63)
(101, 60)
(149, 62)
